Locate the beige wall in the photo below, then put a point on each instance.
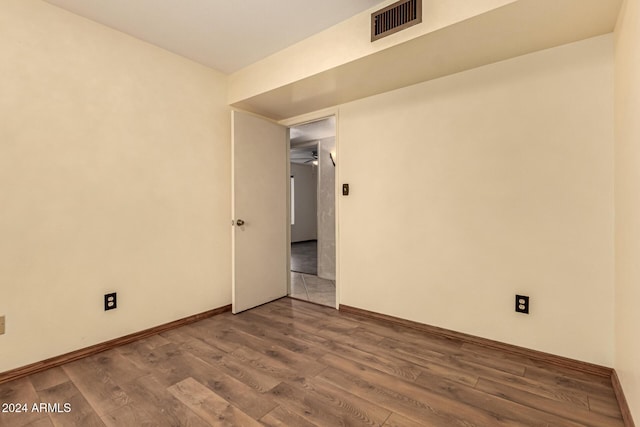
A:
(485, 184)
(627, 203)
(305, 200)
(114, 176)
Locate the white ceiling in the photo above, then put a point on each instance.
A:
(313, 131)
(223, 34)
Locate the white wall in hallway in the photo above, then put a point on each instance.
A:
(326, 210)
(305, 201)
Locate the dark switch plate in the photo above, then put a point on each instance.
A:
(110, 301)
(522, 304)
(345, 189)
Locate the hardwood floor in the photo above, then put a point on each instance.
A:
(291, 363)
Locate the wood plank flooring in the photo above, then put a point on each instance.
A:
(291, 363)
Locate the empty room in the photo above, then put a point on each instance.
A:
(484, 212)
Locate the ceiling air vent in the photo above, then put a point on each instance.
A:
(396, 17)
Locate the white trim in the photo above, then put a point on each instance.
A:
(310, 117)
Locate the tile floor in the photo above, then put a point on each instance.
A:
(304, 257)
(314, 289)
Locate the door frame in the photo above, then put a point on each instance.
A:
(297, 121)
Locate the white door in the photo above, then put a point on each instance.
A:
(260, 214)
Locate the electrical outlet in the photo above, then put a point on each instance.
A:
(522, 304)
(1, 325)
(110, 301)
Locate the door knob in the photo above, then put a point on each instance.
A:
(239, 223)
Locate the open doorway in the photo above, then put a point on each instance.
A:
(313, 232)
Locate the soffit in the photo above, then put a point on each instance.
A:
(518, 28)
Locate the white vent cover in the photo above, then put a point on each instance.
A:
(395, 17)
